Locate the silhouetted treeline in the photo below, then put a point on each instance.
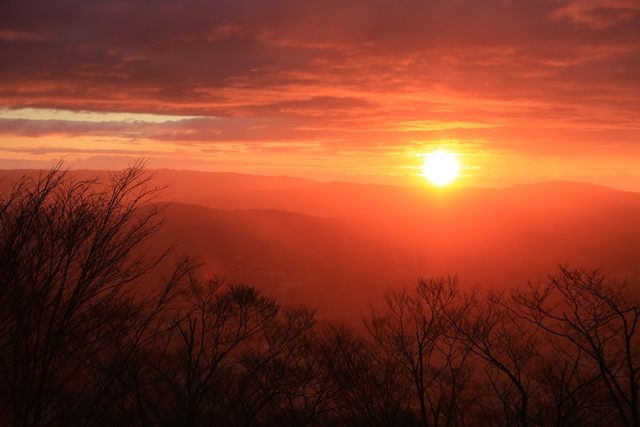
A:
(85, 339)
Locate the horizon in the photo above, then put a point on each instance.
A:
(417, 183)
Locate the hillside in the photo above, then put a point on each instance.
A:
(338, 245)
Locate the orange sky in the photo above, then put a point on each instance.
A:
(523, 91)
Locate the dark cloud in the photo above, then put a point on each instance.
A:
(599, 14)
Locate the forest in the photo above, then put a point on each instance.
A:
(91, 334)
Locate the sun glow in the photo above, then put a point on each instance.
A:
(441, 167)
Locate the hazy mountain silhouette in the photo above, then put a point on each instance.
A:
(338, 245)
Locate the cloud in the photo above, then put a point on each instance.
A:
(599, 14)
(85, 116)
(324, 76)
(43, 149)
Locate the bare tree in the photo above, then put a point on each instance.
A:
(70, 251)
(570, 392)
(230, 356)
(597, 321)
(365, 386)
(508, 347)
(273, 370)
(416, 331)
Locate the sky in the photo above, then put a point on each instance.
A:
(354, 90)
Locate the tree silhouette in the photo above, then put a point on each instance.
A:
(416, 332)
(70, 251)
(508, 350)
(227, 356)
(89, 337)
(366, 388)
(596, 321)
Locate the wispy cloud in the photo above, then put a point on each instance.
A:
(49, 114)
(598, 14)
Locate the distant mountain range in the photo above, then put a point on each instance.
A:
(337, 246)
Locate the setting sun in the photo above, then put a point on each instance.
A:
(441, 167)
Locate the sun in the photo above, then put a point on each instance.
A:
(441, 167)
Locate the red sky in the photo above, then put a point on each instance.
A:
(522, 90)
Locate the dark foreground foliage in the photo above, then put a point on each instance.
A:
(80, 344)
